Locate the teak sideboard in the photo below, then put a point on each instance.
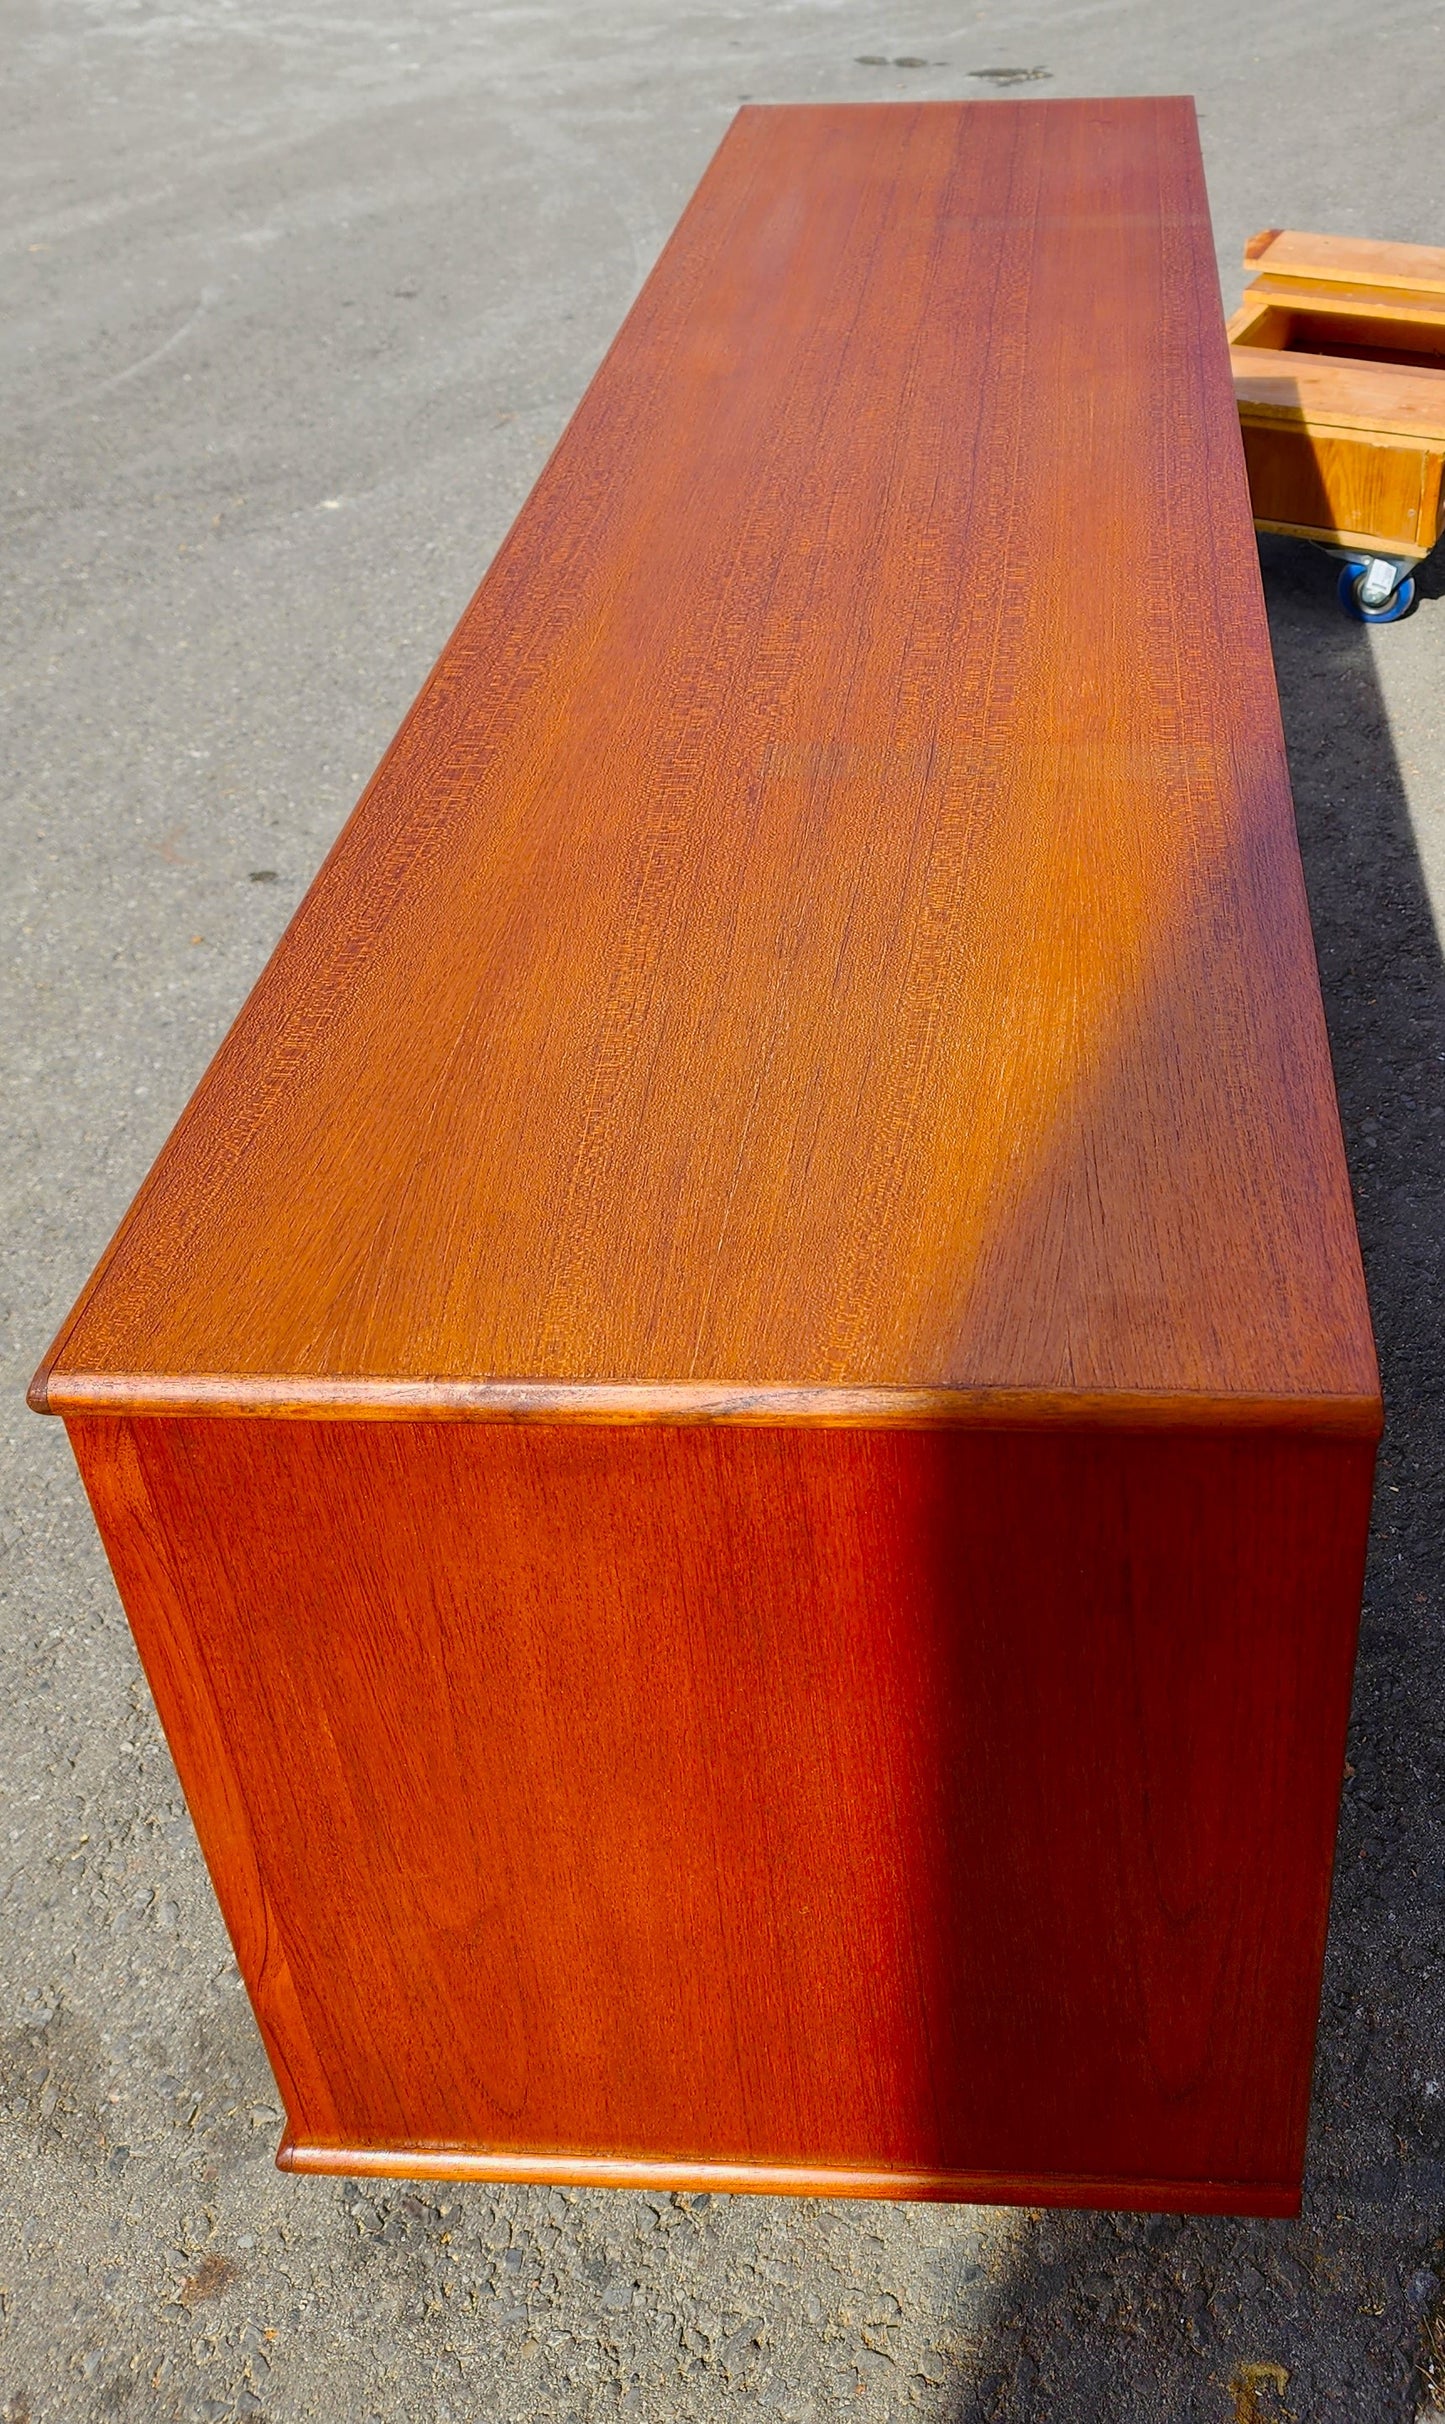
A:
(737, 1427)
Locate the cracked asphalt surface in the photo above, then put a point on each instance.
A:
(297, 301)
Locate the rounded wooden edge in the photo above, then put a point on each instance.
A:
(434, 2162)
(361, 1399)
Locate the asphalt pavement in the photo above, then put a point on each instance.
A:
(296, 301)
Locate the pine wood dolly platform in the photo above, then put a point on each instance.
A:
(1339, 370)
(737, 1427)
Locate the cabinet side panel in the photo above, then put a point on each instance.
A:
(162, 1572)
(935, 1802)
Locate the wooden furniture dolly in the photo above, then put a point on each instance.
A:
(1339, 370)
(738, 1425)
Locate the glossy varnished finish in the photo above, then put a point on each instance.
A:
(795, 1626)
(937, 1811)
(833, 916)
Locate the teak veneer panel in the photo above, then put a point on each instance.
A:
(796, 1628)
(903, 1813)
(832, 918)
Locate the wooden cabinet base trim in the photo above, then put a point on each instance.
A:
(826, 1407)
(429, 2162)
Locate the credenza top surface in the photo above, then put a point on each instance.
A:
(832, 920)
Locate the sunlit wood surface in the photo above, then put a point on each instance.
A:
(810, 1047)
(832, 918)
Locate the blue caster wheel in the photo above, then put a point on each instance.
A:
(1390, 609)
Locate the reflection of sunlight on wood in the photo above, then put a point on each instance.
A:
(853, 947)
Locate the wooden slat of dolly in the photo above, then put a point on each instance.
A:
(1326, 388)
(832, 919)
(1379, 307)
(1346, 260)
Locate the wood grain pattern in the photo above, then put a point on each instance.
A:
(1413, 312)
(1344, 322)
(1327, 393)
(1315, 260)
(790, 2179)
(841, 1408)
(920, 1813)
(737, 1428)
(832, 918)
(1341, 392)
(1340, 485)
